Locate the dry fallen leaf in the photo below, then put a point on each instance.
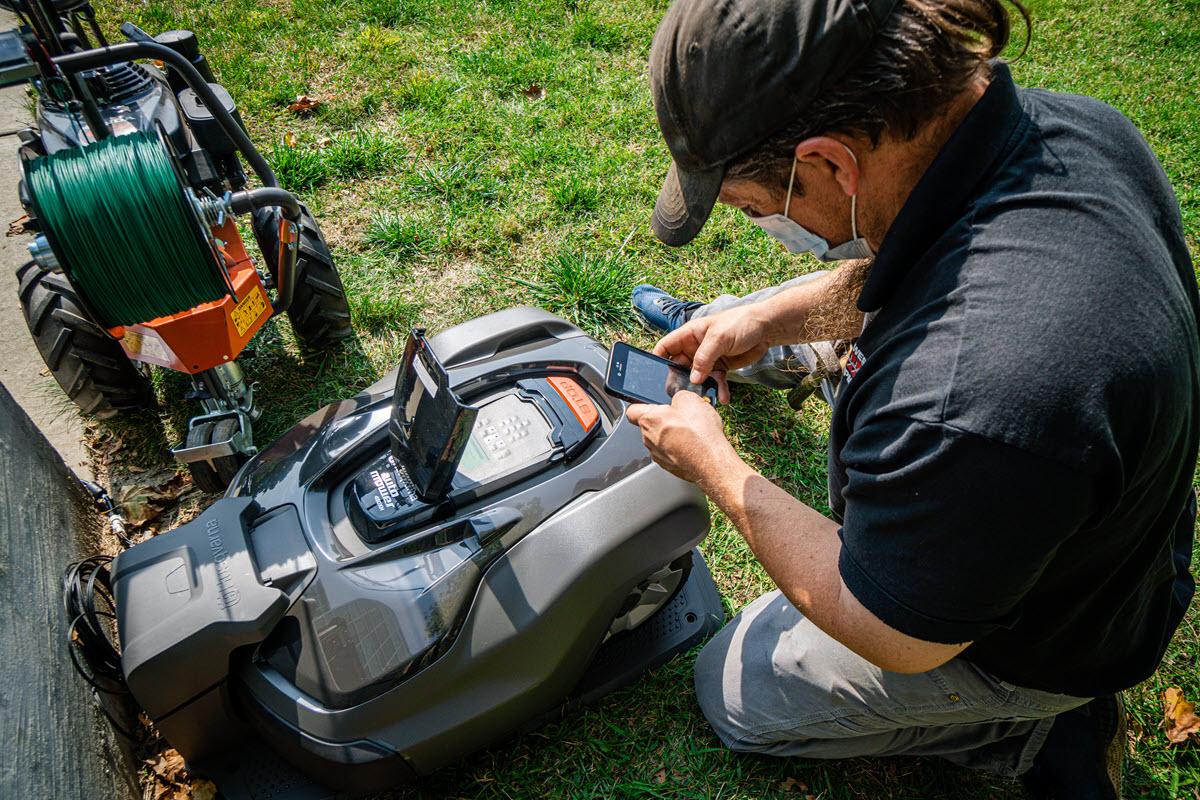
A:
(534, 92)
(17, 226)
(793, 784)
(324, 142)
(168, 765)
(140, 503)
(290, 139)
(1179, 716)
(204, 790)
(303, 104)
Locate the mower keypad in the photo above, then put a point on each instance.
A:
(509, 433)
(498, 436)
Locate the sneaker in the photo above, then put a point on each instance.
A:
(1082, 756)
(660, 311)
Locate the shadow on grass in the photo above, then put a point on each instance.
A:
(650, 740)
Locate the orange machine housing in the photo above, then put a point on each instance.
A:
(209, 334)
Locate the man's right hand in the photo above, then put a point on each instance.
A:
(714, 345)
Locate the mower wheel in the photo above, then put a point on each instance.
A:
(320, 314)
(88, 364)
(215, 478)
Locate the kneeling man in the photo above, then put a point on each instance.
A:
(1014, 430)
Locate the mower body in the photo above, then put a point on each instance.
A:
(368, 656)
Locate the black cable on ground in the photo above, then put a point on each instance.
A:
(88, 603)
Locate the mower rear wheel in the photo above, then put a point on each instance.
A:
(88, 364)
(320, 313)
(214, 478)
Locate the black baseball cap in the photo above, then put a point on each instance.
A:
(728, 74)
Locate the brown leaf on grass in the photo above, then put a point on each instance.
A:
(793, 785)
(324, 142)
(168, 766)
(1179, 716)
(303, 104)
(1134, 735)
(290, 139)
(534, 92)
(144, 502)
(204, 790)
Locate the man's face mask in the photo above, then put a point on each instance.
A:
(798, 239)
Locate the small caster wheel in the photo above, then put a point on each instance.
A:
(214, 477)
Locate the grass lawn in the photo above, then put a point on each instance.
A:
(461, 145)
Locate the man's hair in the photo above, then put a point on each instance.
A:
(927, 53)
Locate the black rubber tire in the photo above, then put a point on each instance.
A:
(214, 479)
(320, 313)
(204, 476)
(89, 365)
(227, 466)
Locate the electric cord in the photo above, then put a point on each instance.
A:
(105, 505)
(90, 609)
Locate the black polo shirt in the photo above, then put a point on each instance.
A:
(1014, 440)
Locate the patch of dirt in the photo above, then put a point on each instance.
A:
(442, 295)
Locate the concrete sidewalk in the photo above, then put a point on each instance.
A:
(22, 370)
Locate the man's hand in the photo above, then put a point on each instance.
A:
(716, 344)
(685, 438)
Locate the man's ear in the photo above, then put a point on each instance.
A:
(829, 156)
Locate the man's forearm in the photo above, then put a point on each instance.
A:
(800, 548)
(797, 545)
(819, 310)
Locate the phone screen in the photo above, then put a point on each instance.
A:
(652, 379)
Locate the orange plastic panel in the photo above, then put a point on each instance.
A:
(581, 405)
(209, 334)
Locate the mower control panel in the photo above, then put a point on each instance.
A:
(509, 431)
(446, 453)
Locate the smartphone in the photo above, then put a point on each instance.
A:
(643, 377)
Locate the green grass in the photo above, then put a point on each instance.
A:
(439, 174)
(592, 290)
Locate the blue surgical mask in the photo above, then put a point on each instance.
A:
(798, 239)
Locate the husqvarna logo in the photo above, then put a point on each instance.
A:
(227, 594)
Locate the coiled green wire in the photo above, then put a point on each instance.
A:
(115, 215)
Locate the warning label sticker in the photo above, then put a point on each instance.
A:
(248, 310)
(147, 345)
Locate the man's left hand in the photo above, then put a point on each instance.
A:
(685, 438)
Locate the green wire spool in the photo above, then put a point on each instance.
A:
(118, 219)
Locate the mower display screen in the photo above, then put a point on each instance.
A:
(474, 456)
